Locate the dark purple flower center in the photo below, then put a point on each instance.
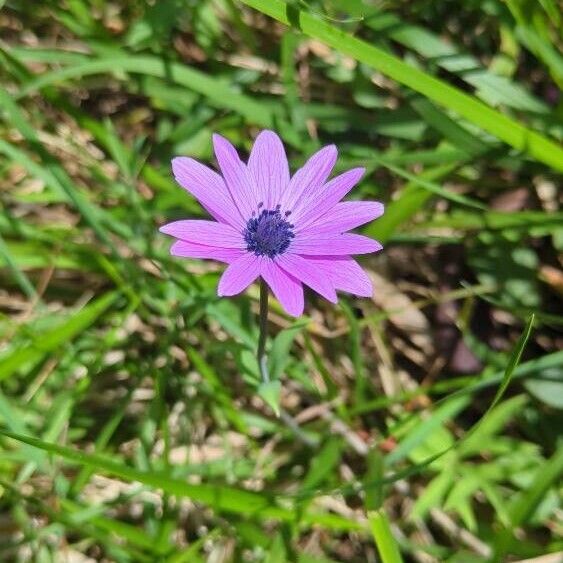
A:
(269, 233)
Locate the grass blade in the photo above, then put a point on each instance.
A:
(217, 91)
(381, 530)
(43, 344)
(220, 497)
(510, 131)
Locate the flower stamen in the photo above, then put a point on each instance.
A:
(268, 234)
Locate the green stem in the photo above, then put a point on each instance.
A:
(261, 355)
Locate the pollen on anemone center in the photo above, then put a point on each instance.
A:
(269, 233)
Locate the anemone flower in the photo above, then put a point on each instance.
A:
(286, 230)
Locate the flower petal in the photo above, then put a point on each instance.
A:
(268, 164)
(287, 289)
(205, 232)
(208, 188)
(326, 197)
(344, 273)
(307, 272)
(192, 250)
(319, 245)
(239, 274)
(308, 180)
(344, 216)
(240, 182)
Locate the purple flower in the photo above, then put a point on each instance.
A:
(289, 231)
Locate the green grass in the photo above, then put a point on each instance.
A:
(420, 425)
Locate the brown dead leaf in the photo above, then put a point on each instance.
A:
(552, 277)
(403, 313)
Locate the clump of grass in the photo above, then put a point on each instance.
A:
(420, 425)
